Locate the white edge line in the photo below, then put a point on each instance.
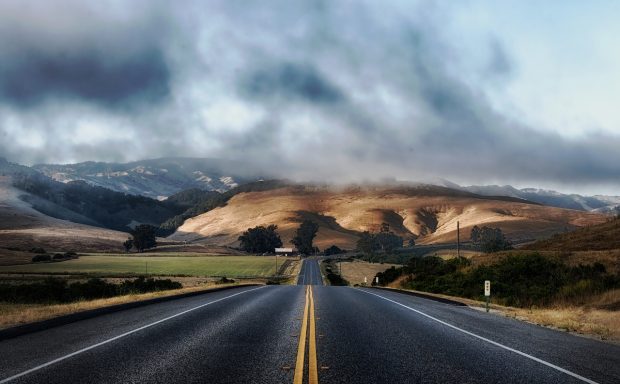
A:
(31, 370)
(487, 340)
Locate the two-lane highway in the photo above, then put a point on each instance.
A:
(310, 273)
(306, 333)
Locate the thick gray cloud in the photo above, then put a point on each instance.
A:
(287, 81)
(86, 75)
(333, 91)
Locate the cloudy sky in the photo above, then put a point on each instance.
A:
(522, 92)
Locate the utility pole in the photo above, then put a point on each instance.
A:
(458, 239)
(276, 272)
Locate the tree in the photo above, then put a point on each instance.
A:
(385, 228)
(367, 244)
(260, 239)
(388, 241)
(304, 237)
(144, 237)
(475, 235)
(489, 239)
(411, 242)
(128, 244)
(333, 250)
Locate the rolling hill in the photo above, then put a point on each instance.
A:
(424, 212)
(22, 227)
(600, 237)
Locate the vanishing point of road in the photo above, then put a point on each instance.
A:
(307, 333)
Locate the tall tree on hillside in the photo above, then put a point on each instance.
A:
(387, 240)
(475, 235)
(367, 244)
(260, 239)
(489, 239)
(304, 237)
(128, 244)
(144, 237)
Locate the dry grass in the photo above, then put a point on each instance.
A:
(427, 214)
(18, 314)
(610, 259)
(451, 253)
(603, 236)
(355, 271)
(591, 320)
(11, 257)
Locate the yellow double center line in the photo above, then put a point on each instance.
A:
(313, 376)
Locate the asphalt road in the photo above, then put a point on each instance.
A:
(310, 273)
(344, 334)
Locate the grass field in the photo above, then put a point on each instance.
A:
(229, 266)
(354, 272)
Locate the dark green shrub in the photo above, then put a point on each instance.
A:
(59, 291)
(40, 258)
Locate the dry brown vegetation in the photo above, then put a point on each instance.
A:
(604, 236)
(610, 258)
(593, 320)
(426, 213)
(17, 314)
(355, 271)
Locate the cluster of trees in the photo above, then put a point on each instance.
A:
(305, 236)
(143, 237)
(519, 280)
(53, 290)
(263, 239)
(489, 240)
(384, 242)
(260, 239)
(333, 250)
(57, 256)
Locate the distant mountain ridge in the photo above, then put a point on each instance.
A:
(155, 178)
(598, 203)
(164, 177)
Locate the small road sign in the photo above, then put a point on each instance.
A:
(285, 251)
(487, 288)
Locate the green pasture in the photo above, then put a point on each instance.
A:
(229, 266)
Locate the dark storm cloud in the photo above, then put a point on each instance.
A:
(87, 75)
(288, 81)
(326, 91)
(80, 51)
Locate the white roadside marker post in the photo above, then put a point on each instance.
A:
(377, 280)
(487, 292)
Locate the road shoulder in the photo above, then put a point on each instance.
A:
(108, 306)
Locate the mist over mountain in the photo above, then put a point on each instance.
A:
(164, 177)
(156, 178)
(597, 203)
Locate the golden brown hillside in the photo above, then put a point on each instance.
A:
(601, 237)
(426, 213)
